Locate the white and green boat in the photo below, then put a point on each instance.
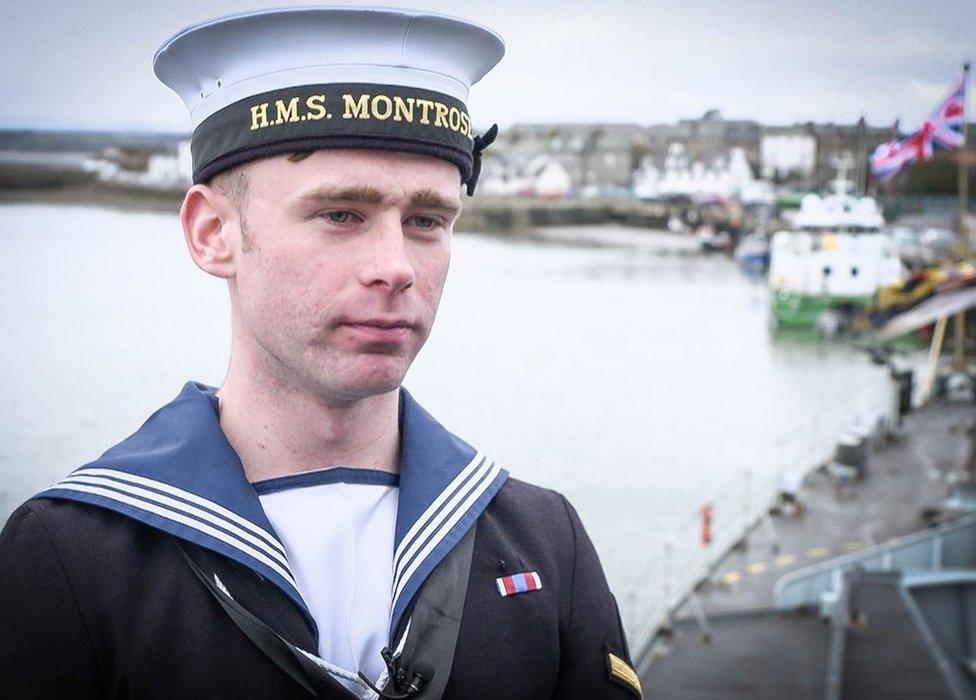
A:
(829, 265)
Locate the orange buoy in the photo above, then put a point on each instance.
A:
(706, 527)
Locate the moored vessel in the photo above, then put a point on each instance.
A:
(830, 263)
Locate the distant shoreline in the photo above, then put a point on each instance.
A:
(588, 234)
(567, 221)
(512, 216)
(96, 195)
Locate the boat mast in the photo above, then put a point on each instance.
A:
(964, 158)
(959, 359)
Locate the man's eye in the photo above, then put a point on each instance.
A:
(422, 221)
(339, 217)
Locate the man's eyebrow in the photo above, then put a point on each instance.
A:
(428, 198)
(434, 200)
(364, 194)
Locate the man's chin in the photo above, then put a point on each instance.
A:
(374, 387)
(365, 382)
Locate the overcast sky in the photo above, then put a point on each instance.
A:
(87, 64)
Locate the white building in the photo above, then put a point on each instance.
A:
(165, 171)
(729, 177)
(543, 176)
(788, 152)
(546, 177)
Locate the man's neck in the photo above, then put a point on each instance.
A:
(279, 430)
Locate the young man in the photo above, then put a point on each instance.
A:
(308, 529)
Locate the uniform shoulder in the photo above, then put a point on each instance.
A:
(533, 499)
(527, 507)
(57, 515)
(78, 530)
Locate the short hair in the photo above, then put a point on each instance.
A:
(233, 183)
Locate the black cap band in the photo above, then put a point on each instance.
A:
(337, 115)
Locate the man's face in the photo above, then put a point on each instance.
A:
(341, 266)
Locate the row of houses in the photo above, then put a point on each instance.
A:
(604, 159)
(708, 156)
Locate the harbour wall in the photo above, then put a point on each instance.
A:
(57, 182)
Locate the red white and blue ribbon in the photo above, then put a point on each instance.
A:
(518, 583)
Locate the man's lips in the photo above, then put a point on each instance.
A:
(379, 330)
(377, 322)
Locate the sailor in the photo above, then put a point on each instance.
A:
(307, 529)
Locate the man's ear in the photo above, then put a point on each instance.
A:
(210, 227)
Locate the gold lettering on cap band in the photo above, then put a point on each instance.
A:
(381, 107)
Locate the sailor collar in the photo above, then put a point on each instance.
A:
(178, 473)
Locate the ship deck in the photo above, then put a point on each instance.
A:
(904, 478)
(738, 645)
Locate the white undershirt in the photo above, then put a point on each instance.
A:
(338, 536)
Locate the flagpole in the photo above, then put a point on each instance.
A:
(964, 232)
(959, 363)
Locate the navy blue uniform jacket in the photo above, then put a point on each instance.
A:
(98, 598)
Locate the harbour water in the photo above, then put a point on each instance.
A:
(638, 384)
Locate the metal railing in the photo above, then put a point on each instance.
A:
(678, 561)
(684, 561)
(951, 546)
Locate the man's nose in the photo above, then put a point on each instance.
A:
(387, 263)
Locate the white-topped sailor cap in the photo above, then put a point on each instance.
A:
(280, 81)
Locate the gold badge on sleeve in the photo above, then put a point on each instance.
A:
(622, 673)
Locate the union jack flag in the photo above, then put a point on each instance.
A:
(942, 130)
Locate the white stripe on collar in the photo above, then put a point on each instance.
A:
(423, 521)
(441, 523)
(267, 540)
(209, 523)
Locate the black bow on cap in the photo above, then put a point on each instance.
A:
(480, 143)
